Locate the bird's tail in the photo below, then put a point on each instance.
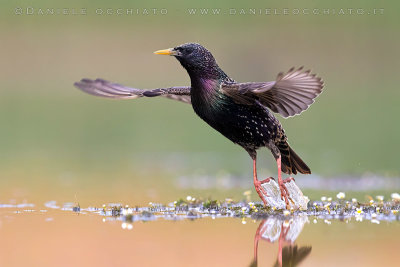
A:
(291, 162)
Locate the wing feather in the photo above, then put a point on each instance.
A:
(103, 88)
(289, 95)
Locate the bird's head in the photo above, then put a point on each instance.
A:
(195, 58)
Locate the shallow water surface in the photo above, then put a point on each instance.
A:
(52, 234)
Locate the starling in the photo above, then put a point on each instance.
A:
(239, 111)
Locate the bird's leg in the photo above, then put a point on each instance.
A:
(280, 250)
(282, 187)
(257, 238)
(258, 184)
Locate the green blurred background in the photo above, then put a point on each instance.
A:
(57, 142)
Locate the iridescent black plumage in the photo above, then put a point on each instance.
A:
(250, 126)
(239, 111)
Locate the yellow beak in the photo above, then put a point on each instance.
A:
(169, 51)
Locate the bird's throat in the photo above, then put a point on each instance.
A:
(209, 85)
(205, 88)
(206, 99)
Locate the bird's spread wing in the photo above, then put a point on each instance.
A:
(289, 95)
(100, 87)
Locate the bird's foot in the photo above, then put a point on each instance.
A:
(284, 191)
(260, 189)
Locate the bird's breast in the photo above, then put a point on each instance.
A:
(247, 125)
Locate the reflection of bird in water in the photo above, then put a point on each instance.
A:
(239, 111)
(273, 229)
(293, 256)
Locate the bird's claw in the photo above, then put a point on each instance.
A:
(284, 191)
(260, 189)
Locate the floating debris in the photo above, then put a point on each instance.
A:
(341, 195)
(76, 208)
(286, 213)
(325, 210)
(18, 206)
(395, 196)
(127, 226)
(380, 198)
(51, 204)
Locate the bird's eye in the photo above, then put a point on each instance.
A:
(186, 51)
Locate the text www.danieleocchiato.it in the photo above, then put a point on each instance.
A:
(284, 11)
